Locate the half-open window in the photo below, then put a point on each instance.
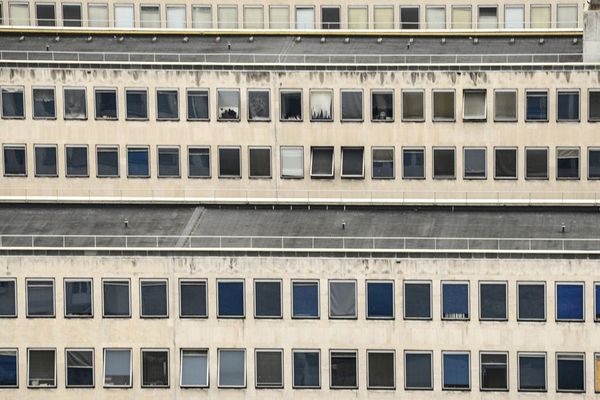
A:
(474, 105)
(228, 105)
(353, 162)
(321, 163)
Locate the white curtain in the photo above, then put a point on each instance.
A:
(436, 18)
(292, 162)
(514, 17)
(358, 18)
(279, 17)
(124, 16)
(18, 14)
(383, 17)
(202, 17)
(253, 18)
(176, 17)
(98, 15)
(321, 105)
(305, 18)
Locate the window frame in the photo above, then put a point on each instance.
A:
(176, 6)
(362, 104)
(373, 351)
(22, 87)
(596, 361)
(384, 281)
(254, 297)
(418, 282)
(289, 21)
(516, 93)
(589, 150)
(348, 176)
(393, 149)
(589, 118)
(134, 89)
(443, 148)
(536, 148)
(116, 280)
(409, 5)
(33, 89)
(85, 104)
(235, 90)
(28, 367)
(168, 305)
(383, 91)
(569, 283)
(16, 313)
(71, 22)
(431, 370)
(245, 384)
(304, 6)
(415, 148)
(189, 147)
(70, 280)
(104, 148)
(532, 283)
(514, 6)
(281, 109)
(559, 354)
(105, 90)
(485, 353)
(239, 149)
(455, 282)
(111, 386)
(168, 372)
(457, 352)
(193, 281)
(506, 300)
(137, 148)
(169, 90)
(270, 176)
(596, 304)
(485, 164)
(259, 90)
(488, 5)
(323, 176)
(168, 147)
(232, 280)
(77, 146)
(35, 166)
(187, 99)
(40, 279)
(268, 386)
(312, 351)
(423, 105)
(305, 281)
(532, 354)
(466, 92)
(281, 175)
(89, 349)
(25, 160)
(15, 350)
(330, 25)
(579, 159)
(245, 24)
(37, 16)
(352, 317)
(340, 351)
(433, 93)
(507, 178)
(537, 91)
(310, 101)
(184, 349)
(568, 91)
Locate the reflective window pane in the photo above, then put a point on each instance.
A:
(232, 368)
(44, 105)
(343, 369)
(267, 298)
(342, 299)
(40, 298)
(305, 299)
(380, 299)
(115, 298)
(192, 299)
(199, 162)
(456, 371)
(77, 161)
(306, 365)
(45, 161)
(78, 298)
(155, 368)
(153, 299)
(230, 299)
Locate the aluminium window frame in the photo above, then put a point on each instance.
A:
(383, 6)
(569, 283)
(71, 280)
(22, 87)
(345, 176)
(28, 367)
(168, 372)
(532, 283)
(356, 300)
(485, 353)
(207, 147)
(339, 351)
(300, 281)
(485, 163)
(239, 149)
(291, 91)
(516, 93)
(137, 89)
(330, 25)
(281, 175)
(431, 369)
(362, 105)
(415, 148)
(380, 351)
(176, 6)
(254, 297)
(168, 90)
(16, 146)
(258, 90)
(443, 148)
(106, 89)
(193, 281)
(124, 4)
(197, 90)
(168, 305)
(469, 372)
(43, 87)
(280, 6)
(40, 279)
(62, 14)
(77, 146)
(589, 118)
(85, 104)
(14, 350)
(201, 349)
(532, 354)
(572, 354)
(250, 7)
(568, 91)
(16, 314)
(105, 147)
(537, 91)
(387, 281)
(245, 351)
(69, 349)
(137, 148)
(579, 159)
(168, 147)
(37, 18)
(541, 5)
(269, 350)
(455, 282)
(393, 149)
(596, 286)
(57, 164)
(589, 150)
(231, 280)
(110, 386)
(525, 151)
(595, 360)
(294, 17)
(323, 176)
(312, 351)
(506, 300)
(423, 106)
(509, 178)
(489, 5)
(382, 91)
(454, 105)
(483, 118)
(250, 148)
(321, 90)
(116, 280)
(458, 7)
(419, 20)
(234, 90)
(418, 282)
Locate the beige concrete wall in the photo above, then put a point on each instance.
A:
(324, 334)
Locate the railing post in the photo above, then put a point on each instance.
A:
(32, 241)
(157, 241)
(95, 242)
(64, 241)
(126, 244)
(220, 242)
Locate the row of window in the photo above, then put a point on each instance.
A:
(321, 104)
(291, 160)
(268, 299)
(540, 16)
(194, 369)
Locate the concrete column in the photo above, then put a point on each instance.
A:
(591, 35)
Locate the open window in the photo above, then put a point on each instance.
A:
(15, 161)
(321, 162)
(306, 369)
(567, 163)
(536, 163)
(474, 105)
(136, 102)
(259, 107)
(443, 105)
(260, 162)
(80, 368)
(505, 105)
(71, 14)
(45, 14)
(107, 161)
(13, 102)
(230, 163)
(568, 105)
(106, 104)
(505, 163)
(198, 162)
(474, 163)
(154, 298)
(155, 368)
(321, 105)
(269, 368)
(353, 162)
(138, 162)
(194, 368)
(78, 298)
(343, 369)
(352, 105)
(117, 368)
(197, 105)
(381, 369)
(444, 163)
(382, 105)
(383, 163)
(413, 105)
(45, 160)
(291, 105)
(75, 103)
(228, 105)
(167, 105)
(292, 161)
(41, 368)
(168, 162)
(409, 17)
(330, 17)
(413, 163)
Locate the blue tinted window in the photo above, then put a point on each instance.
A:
(569, 302)
(8, 306)
(8, 368)
(455, 301)
(380, 299)
(137, 162)
(568, 106)
(537, 106)
(456, 371)
(305, 300)
(231, 299)
(597, 303)
(413, 162)
(306, 369)
(570, 372)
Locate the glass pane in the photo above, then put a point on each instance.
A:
(199, 162)
(194, 368)
(461, 17)
(291, 106)
(12, 103)
(568, 106)
(229, 162)
(253, 18)
(231, 299)
(383, 17)
(154, 299)
(7, 299)
(321, 105)
(594, 105)
(14, 161)
(383, 163)
(108, 161)
(568, 163)
(418, 371)
(149, 16)
(456, 371)
(124, 16)
(352, 162)
(506, 163)
(267, 299)
(569, 302)
(330, 17)
(77, 163)
(474, 105)
(493, 300)
(417, 300)
(305, 300)
(197, 102)
(8, 368)
(106, 104)
(436, 17)
(115, 298)
(232, 368)
(571, 376)
(258, 105)
(443, 106)
(409, 17)
(18, 14)
(117, 367)
(306, 369)
(227, 17)
(514, 17)
(98, 15)
(358, 17)
(381, 370)
(494, 372)
(532, 303)
(176, 17)
(75, 104)
(202, 17)
(137, 104)
(413, 162)
(305, 18)
(78, 298)
(45, 15)
(228, 103)
(488, 17)
(540, 17)
(322, 162)
(342, 299)
(292, 162)
(71, 14)
(40, 298)
(475, 163)
(537, 163)
(193, 299)
(279, 17)
(413, 106)
(382, 106)
(168, 104)
(505, 106)
(269, 369)
(380, 299)
(41, 368)
(155, 368)
(443, 163)
(45, 161)
(352, 105)
(343, 370)
(532, 373)
(80, 368)
(137, 162)
(455, 301)
(566, 16)
(168, 162)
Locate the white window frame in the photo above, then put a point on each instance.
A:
(14, 147)
(239, 149)
(362, 94)
(104, 148)
(528, 178)
(209, 176)
(193, 281)
(15, 315)
(280, 282)
(581, 355)
(481, 118)
(141, 89)
(418, 282)
(176, 90)
(312, 351)
(137, 148)
(343, 176)
(245, 384)
(85, 111)
(77, 146)
(259, 119)
(155, 350)
(457, 352)
(232, 280)
(208, 105)
(116, 280)
(29, 350)
(351, 317)
(270, 176)
(301, 148)
(263, 386)
(53, 315)
(485, 171)
(393, 353)
(156, 280)
(168, 147)
(388, 281)
(506, 302)
(321, 176)
(568, 283)
(33, 89)
(509, 178)
(184, 349)
(443, 119)
(455, 282)
(485, 353)
(336, 350)
(532, 354)
(110, 386)
(428, 352)
(447, 177)
(14, 350)
(69, 349)
(569, 91)
(300, 281)
(393, 149)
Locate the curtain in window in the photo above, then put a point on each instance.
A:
(18, 14)
(98, 15)
(45, 163)
(12, 102)
(168, 106)
(540, 17)
(383, 17)
(197, 105)
(514, 17)
(305, 18)
(358, 18)
(124, 16)
(253, 18)
(227, 17)
(202, 17)
(43, 103)
(342, 298)
(461, 17)
(566, 16)
(194, 370)
(321, 106)
(176, 17)
(279, 17)
(150, 17)
(292, 162)
(436, 17)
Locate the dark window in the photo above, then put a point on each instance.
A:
(568, 105)
(229, 162)
(597, 302)
(117, 368)
(537, 106)
(77, 161)
(228, 105)
(567, 161)
(383, 163)
(230, 296)
(594, 105)
(197, 105)
(443, 164)
(321, 105)
(45, 161)
(409, 17)
(505, 105)
(305, 299)
(418, 371)
(71, 14)
(343, 369)
(260, 162)
(192, 299)
(168, 162)
(8, 300)
(107, 159)
(106, 104)
(41, 368)
(413, 163)
(492, 297)
(413, 105)
(456, 371)
(267, 299)
(307, 369)
(75, 104)
(167, 103)
(14, 161)
(382, 106)
(380, 369)
(115, 298)
(199, 162)
(417, 300)
(532, 372)
(269, 368)
(352, 105)
(13, 102)
(155, 368)
(330, 17)
(380, 299)
(291, 106)
(78, 298)
(40, 298)
(536, 163)
(342, 299)
(137, 104)
(531, 298)
(138, 163)
(194, 368)
(570, 371)
(475, 163)
(45, 14)
(353, 162)
(506, 163)
(44, 106)
(8, 368)
(569, 302)
(455, 301)
(80, 368)
(594, 163)
(321, 162)
(232, 368)
(494, 371)
(154, 295)
(259, 108)
(443, 105)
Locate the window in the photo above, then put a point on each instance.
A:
(199, 162)
(269, 368)
(488, 17)
(382, 106)
(194, 368)
(227, 17)
(330, 17)
(417, 300)
(267, 299)
(168, 162)
(98, 15)
(75, 104)
(474, 105)
(41, 368)
(514, 17)
(253, 17)
(493, 301)
(136, 101)
(18, 14)
(536, 163)
(342, 299)
(358, 17)
(455, 300)
(505, 105)
(532, 372)
(176, 18)
(597, 302)
(155, 368)
(9, 371)
(77, 161)
(115, 298)
(566, 16)
(15, 163)
(380, 299)
(568, 105)
(71, 14)
(306, 369)
(597, 370)
(383, 163)
(44, 106)
(594, 105)
(540, 16)
(45, 14)
(260, 162)
(531, 301)
(192, 299)
(259, 108)
(570, 372)
(594, 163)
(413, 105)
(13, 102)
(202, 17)
(305, 299)
(117, 368)
(436, 17)
(569, 302)
(8, 301)
(418, 371)
(292, 162)
(381, 371)
(80, 368)
(154, 299)
(45, 160)
(106, 104)
(462, 17)
(383, 17)
(444, 163)
(443, 105)
(305, 18)
(228, 103)
(352, 105)
(197, 105)
(107, 161)
(353, 165)
(567, 163)
(321, 162)
(230, 296)
(232, 368)
(494, 371)
(505, 160)
(40, 298)
(456, 371)
(321, 105)
(291, 105)
(537, 106)
(279, 17)
(230, 163)
(78, 298)
(474, 160)
(343, 369)
(409, 17)
(413, 163)
(138, 162)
